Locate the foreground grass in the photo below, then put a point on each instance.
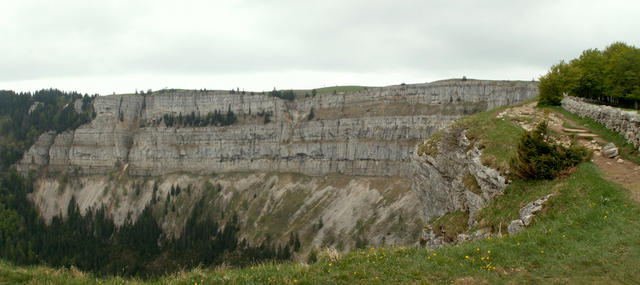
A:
(587, 233)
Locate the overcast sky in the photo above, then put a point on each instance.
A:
(117, 46)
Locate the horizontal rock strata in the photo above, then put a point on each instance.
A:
(370, 132)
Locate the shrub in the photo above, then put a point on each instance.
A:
(538, 158)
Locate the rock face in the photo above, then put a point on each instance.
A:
(347, 173)
(439, 178)
(370, 132)
(627, 123)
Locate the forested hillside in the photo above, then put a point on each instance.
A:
(24, 116)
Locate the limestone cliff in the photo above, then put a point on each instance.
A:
(370, 132)
(347, 173)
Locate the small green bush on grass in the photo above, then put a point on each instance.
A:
(538, 158)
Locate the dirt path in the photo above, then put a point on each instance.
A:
(618, 170)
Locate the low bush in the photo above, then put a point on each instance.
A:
(539, 158)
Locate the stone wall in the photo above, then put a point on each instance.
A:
(627, 123)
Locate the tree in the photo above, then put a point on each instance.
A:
(550, 86)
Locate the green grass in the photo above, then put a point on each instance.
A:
(346, 89)
(627, 150)
(498, 137)
(451, 224)
(587, 234)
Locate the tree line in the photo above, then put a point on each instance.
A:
(92, 242)
(25, 116)
(611, 77)
(215, 118)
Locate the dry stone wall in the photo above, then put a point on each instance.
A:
(627, 123)
(348, 142)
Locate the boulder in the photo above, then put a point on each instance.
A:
(610, 150)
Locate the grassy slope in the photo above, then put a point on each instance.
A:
(587, 233)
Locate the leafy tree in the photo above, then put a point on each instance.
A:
(608, 77)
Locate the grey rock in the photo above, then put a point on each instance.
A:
(430, 240)
(438, 179)
(482, 233)
(350, 143)
(610, 150)
(515, 227)
(526, 215)
(463, 238)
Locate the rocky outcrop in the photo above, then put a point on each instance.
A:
(626, 123)
(526, 215)
(370, 132)
(453, 179)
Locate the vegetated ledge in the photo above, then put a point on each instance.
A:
(460, 169)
